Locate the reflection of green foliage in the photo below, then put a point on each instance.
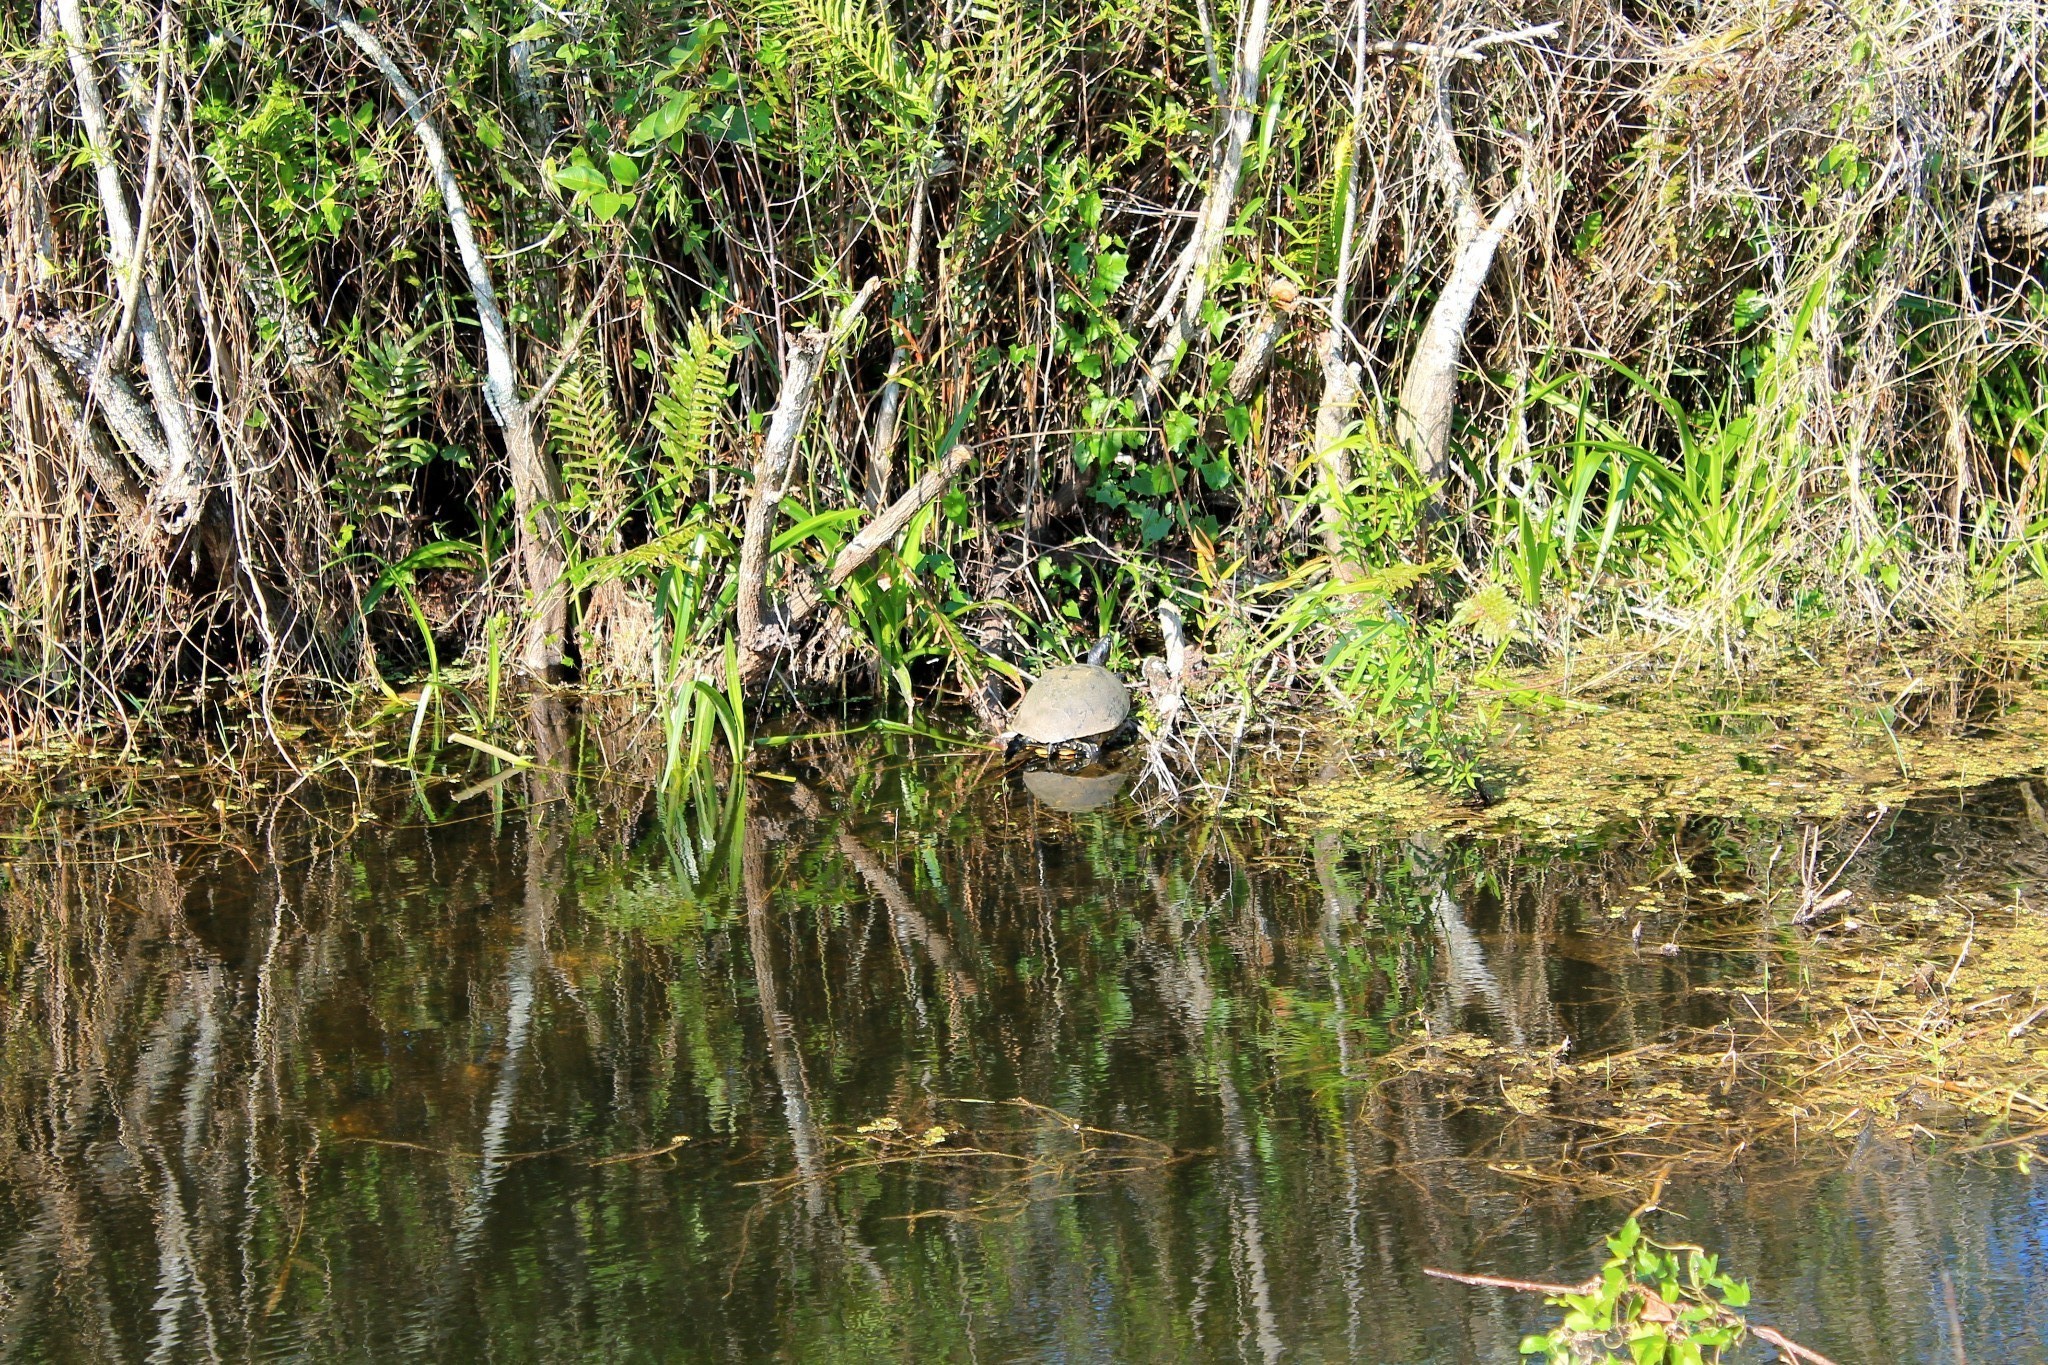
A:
(1222, 989)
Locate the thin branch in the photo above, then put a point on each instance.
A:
(1474, 51)
(536, 483)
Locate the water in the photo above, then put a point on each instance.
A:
(303, 1084)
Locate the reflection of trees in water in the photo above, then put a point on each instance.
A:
(287, 1096)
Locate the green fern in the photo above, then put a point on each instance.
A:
(854, 42)
(1009, 79)
(389, 386)
(583, 429)
(1343, 168)
(1490, 612)
(687, 415)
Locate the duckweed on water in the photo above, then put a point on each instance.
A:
(1815, 744)
(1862, 1013)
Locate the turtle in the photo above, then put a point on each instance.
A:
(1071, 712)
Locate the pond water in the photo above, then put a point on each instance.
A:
(402, 1076)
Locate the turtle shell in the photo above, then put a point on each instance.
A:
(1074, 702)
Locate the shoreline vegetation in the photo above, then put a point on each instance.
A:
(1466, 419)
(1754, 820)
(761, 356)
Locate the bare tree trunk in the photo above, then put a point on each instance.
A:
(125, 410)
(1956, 436)
(1342, 377)
(1341, 382)
(1261, 344)
(530, 88)
(109, 473)
(65, 371)
(536, 483)
(803, 361)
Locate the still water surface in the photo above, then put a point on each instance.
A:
(360, 1084)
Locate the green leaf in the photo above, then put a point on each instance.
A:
(818, 524)
(1111, 269)
(1179, 429)
(1751, 307)
(580, 178)
(1237, 420)
(664, 122)
(625, 170)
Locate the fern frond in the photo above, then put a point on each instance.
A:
(583, 429)
(854, 42)
(688, 411)
(389, 385)
(1490, 612)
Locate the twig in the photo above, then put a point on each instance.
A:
(1474, 51)
(1504, 1282)
(802, 363)
(1790, 1347)
(678, 1141)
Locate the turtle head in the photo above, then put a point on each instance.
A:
(1013, 744)
(1100, 654)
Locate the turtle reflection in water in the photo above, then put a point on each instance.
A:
(1072, 713)
(1074, 792)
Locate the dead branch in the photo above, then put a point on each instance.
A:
(536, 483)
(1191, 272)
(1341, 383)
(116, 483)
(182, 482)
(809, 593)
(1429, 391)
(1474, 51)
(803, 361)
(1504, 1282)
(1262, 343)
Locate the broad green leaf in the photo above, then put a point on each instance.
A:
(579, 178)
